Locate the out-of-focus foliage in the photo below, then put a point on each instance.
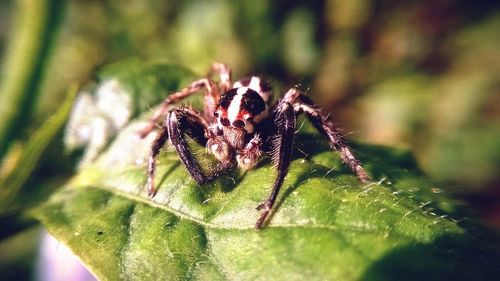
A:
(416, 74)
(419, 74)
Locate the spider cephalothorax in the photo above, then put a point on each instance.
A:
(240, 125)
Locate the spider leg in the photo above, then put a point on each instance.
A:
(158, 143)
(177, 121)
(195, 129)
(285, 120)
(324, 124)
(224, 75)
(182, 121)
(211, 96)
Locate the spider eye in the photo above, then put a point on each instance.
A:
(239, 124)
(224, 121)
(216, 114)
(250, 120)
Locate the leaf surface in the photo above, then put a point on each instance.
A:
(325, 225)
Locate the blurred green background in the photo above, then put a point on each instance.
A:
(422, 75)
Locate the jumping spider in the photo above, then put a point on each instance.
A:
(239, 125)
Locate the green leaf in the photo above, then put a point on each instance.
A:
(325, 225)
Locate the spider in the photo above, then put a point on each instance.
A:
(240, 125)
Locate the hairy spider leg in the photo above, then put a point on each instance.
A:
(176, 127)
(211, 96)
(180, 121)
(337, 142)
(285, 121)
(324, 124)
(158, 143)
(293, 104)
(197, 125)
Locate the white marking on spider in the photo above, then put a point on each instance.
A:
(235, 106)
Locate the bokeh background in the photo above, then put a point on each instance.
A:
(422, 75)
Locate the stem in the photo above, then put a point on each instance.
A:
(31, 152)
(34, 23)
